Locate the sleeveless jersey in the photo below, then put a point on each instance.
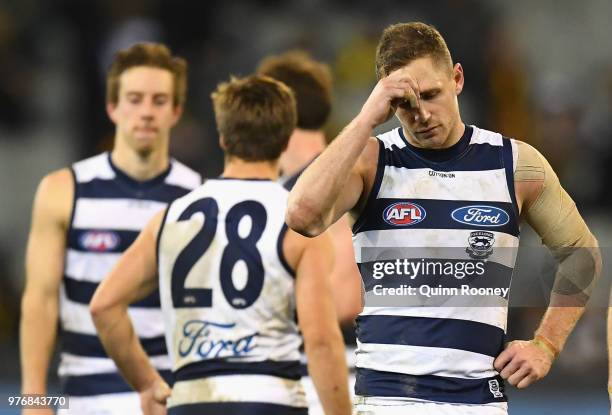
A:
(109, 210)
(228, 299)
(438, 210)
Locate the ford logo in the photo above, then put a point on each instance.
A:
(481, 215)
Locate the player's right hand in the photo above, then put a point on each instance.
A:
(522, 363)
(396, 88)
(153, 399)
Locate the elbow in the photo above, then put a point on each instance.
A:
(98, 308)
(303, 218)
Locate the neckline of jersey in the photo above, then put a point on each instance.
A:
(139, 184)
(445, 154)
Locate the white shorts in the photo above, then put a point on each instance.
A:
(384, 406)
(111, 404)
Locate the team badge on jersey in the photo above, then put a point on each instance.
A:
(481, 215)
(403, 214)
(481, 244)
(99, 241)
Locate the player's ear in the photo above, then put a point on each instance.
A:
(222, 143)
(177, 112)
(111, 110)
(458, 78)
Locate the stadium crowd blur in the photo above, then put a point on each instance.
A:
(537, 71)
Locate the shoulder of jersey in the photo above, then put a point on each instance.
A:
(482, 136)
(392, 139)
(183, 176)
(96, 167)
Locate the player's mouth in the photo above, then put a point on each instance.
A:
(427, 132)
(146, 130)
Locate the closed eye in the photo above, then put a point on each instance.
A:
(430, 94)
(134, 98)
(161, 99)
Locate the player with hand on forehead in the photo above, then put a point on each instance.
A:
(442, 167)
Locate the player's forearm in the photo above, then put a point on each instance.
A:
(122, 345)
(309, 209)
(327, 368)
(578, 273)
(38, 331)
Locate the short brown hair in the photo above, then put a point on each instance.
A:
(403, 43)
(255, 116)
(310, 80)
(154, 55)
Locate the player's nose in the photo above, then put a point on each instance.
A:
(422, 115)
(147, 109)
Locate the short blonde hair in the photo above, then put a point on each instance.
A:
(403, 43)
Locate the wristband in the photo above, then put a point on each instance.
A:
(545, 344)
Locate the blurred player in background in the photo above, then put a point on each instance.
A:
(311, 82)
(433, 183)
(84, 217)
(231, 277)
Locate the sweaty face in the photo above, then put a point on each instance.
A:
(437, 124)
(145, 113)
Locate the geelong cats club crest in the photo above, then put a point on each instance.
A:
(480, 244)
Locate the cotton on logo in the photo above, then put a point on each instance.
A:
(99, 241)
(403, 214)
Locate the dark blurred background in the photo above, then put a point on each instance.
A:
(537, 71)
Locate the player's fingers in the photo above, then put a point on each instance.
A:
(398, 79)
(526, 381)
(412, 98)
(503, 358)
(410, 92)
(510, 369)
(416, 92)
(518, 375)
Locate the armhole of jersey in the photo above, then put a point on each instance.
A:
(380, 169)
(508, 163)
(159, 233)
(279, 250)
(75, 196)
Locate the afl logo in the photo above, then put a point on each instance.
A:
(403, 214)
(99, 241)
(481, 215)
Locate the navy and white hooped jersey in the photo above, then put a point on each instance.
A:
(109, 210)
(228, 300)
(437, 207)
